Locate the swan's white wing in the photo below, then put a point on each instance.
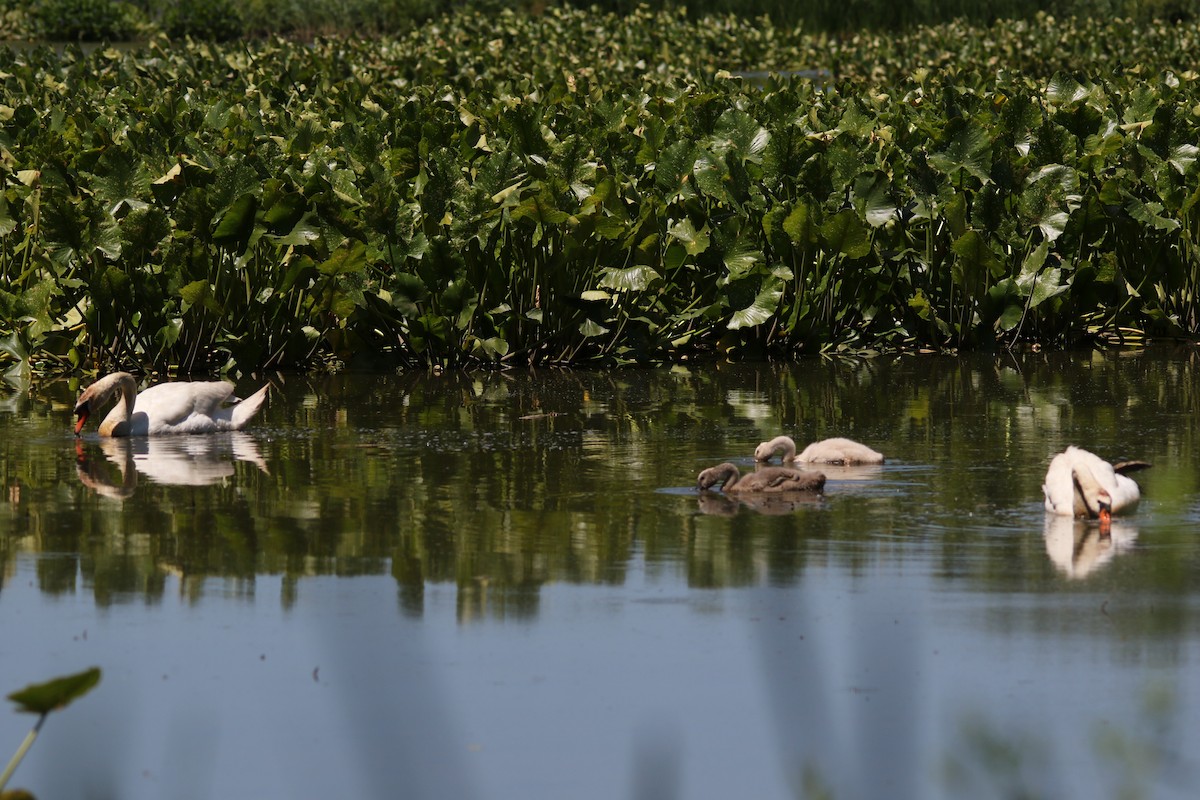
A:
(839, 450)
(171, 404)
(1125, 493)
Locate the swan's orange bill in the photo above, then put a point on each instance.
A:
(83, 415)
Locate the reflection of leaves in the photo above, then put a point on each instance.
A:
(987, 757)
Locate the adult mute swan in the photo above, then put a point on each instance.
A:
(767, 479)
(1081, 484)
(180, 407)
(826, 451)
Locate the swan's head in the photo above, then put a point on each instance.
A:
(1104, 512)
(83, 410)
(721, 474)
(766, 450)
(95, 396)
(92, 399)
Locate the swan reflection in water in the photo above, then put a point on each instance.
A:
(724, 505)
(171, 460)
(1079, 548)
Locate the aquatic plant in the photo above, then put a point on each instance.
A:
(41, 699)
(569, 188)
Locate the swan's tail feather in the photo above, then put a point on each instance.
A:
(246, 409)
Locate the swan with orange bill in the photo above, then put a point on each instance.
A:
(166, 408)
(1081, 484)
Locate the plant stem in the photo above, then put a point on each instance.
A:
(21, 751)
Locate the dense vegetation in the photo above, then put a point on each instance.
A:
(580, 186)
(113, 20)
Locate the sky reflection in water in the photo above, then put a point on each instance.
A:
(505, 585)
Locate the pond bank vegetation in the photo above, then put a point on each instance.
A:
(584, 187)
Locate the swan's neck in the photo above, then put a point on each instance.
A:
(116, 423)
(732, 476)
(786, 447)
(1094, 495)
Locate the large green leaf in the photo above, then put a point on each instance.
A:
(1151, 214)
(42, 698)
(121, 180)
(845, 234)
(974, 263)
(237, 223)
(766, 303)
(694, 241)
(800, 225)
(345, 260)
(1036, 282)
(629, 279)
(1051, 193)
(7, 223)
(672, 172)
(199, 293)
(1183, 156)
(285, 213)
(738, 135)
(712, 177)
(873, 192)
(967, 149)
(1064, 89)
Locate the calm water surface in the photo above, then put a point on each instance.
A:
(498, 586)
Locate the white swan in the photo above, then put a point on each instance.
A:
(1081, 484)
(767, 479)
(181, 407)
(826, 451)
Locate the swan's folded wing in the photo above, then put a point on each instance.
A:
(172, 403)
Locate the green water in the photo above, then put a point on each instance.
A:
(500, 585)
